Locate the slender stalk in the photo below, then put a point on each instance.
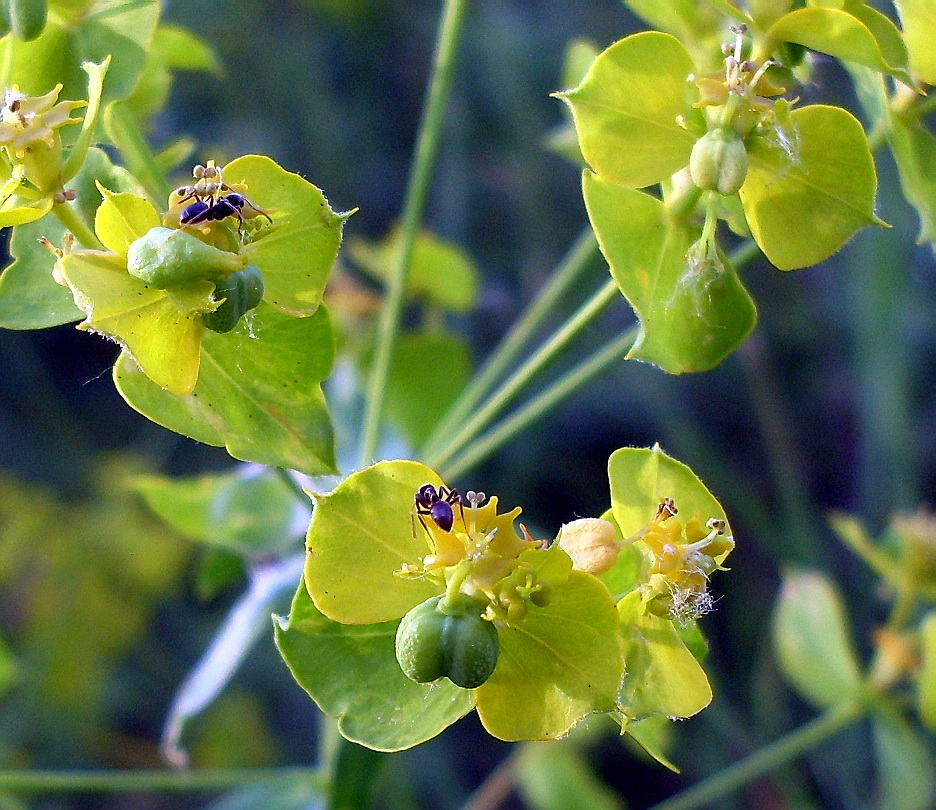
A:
(427, 144)
(573, 264)
(124, 131)
(293, 485)
(717, 787)
(162, 781)
(541, 404)
(69, 217)
(572, 328)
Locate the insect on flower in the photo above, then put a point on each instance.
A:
(210, 202)
(437, 504)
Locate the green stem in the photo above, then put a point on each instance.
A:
(162, 781)
(427, 143)
(716, 788)
(541, 404)
(293, 485)
(572, 328)
(70, 218)
(573, 264)
(682, 205)
(124, 131)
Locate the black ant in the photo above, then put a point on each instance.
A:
(229, 205)
(437, 504)
(210, 204)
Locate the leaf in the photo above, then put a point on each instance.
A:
(812, 640)
(159, 330)
(427, 371)
(20, 210)
(8, 668)
(79, 151)
(351, 672)
(180, 49)
(439, 270)
(654, 735)
(627, 573)
(360, 534)
(121, 29)
(842, 35)
(258, 392)
(662, 677)
(904, 765)
(640, 480)
(560, 664)
(626, 110)
(121, 219)
(250, 511)
(926, 683)
(914, 149)
(918, 18)
(554, 776)
(886, 34)
(30, 298)
(803, 208)
(688, 20)
(689, 321)
(296, 254)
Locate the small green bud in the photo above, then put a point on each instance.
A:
(241, 292)
(165, 257)
(719, 162)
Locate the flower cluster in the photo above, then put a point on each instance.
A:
(683, 558)
(29, 135)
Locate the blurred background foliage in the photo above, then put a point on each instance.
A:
(829, 406)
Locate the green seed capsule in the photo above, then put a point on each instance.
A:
(419, 642)
(431, 644)
(719, 162)
(241, 291)
(470, 649)
(165, 257)
(25, 19)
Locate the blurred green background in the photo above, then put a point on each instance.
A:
(829, 406)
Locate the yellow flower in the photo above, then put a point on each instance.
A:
(683, 558)
(29, 132)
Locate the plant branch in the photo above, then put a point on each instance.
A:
(427, 143)
(585, 315)
(541, 404)
(163, 781)
(716, 788)
(69, 217)
(573, 264)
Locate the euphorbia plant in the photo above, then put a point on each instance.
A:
(419, 600)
